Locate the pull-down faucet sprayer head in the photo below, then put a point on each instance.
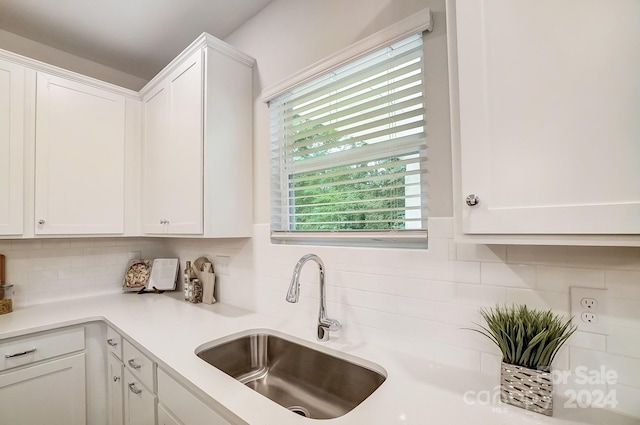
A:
(294, 289)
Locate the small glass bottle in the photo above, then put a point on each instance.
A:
(187, 280)
(6, 299)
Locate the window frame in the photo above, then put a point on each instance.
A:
(415, 24)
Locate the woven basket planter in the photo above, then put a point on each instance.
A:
(529, 389)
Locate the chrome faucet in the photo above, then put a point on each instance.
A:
(324, 323)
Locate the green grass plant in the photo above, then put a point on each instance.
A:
(526, 337)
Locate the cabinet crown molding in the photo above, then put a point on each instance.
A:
(204, 41)
(39, 66)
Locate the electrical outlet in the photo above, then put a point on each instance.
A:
(589, 309)
(589, 318)
(589, 304)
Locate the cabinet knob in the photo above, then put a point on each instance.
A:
(473, 200)
(116, 378)
(40, 221)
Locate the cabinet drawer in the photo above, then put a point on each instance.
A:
(114, 342)
(138, 364)
(18, 352)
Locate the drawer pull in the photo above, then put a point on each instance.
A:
(22, 353)
(111, 342)
(133, 389)
(133, 364)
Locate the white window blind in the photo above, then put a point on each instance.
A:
(348, 153)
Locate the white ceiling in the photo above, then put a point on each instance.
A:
(138, 37)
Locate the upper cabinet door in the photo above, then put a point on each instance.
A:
(154, 169)
(173, 152)
(80, 145)
(12, 104)
(549, 116)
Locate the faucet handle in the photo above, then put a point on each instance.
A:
(324, 326)
(331, 324)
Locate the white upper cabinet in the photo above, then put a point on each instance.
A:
(79, 157)
(546, 120)
(196, 152)
(173, 152)
(12, 105)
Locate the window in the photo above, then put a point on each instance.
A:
(348, 153)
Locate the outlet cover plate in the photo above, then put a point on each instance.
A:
(579, 307)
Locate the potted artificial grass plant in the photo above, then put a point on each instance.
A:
(529, 339)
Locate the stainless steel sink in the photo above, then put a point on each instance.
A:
(290, 372)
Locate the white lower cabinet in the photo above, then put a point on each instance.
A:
(131, 394)
(115, 391)
(165, 418)
(185, 407)
(36, 390)
(139, 402)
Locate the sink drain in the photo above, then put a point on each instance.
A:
(299, 410)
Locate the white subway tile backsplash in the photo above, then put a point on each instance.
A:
(490, 364)
(514, 275)
(624, 341)
(480, 295)
(627, 399)
(588, 340)
(53, 269)
(537, 254)
(624, 312)
(371, 300)
(424, 289)
(386, 268)
(483, 253)
(421, 309)
(558, 302)
(623, 283)
(623, 370)
(622, 258)
(415, 302)
(551, 278)
(366, 317)
(439, 249)
(360, 281)
(561, 360)
(457, 314)
(473, 340)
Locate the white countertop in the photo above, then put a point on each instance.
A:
(415, 392)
